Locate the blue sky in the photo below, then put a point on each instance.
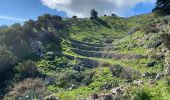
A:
(17, 11)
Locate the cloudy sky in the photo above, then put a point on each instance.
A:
(12, 11)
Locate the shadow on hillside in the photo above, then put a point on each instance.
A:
(102, 22)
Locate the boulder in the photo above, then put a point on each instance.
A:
(117, 91)
(138, 82)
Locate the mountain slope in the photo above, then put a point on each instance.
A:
(110, 57)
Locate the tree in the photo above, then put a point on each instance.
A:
(94, 14)
(162, 7)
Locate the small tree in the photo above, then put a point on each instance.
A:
(94, 14)
(74, 17)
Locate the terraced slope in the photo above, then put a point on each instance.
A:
(102, 57)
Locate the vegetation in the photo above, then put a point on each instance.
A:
(162, 7)
(74, 58)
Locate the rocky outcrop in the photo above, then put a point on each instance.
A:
(37, 48)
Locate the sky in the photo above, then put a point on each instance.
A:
(18, 11)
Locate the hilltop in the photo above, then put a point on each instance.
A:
(78, 58)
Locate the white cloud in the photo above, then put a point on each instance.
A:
(12, 18)
(81, 8)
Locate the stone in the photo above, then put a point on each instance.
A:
(94, 96)
(138, 82)
(167, 71)
(152, 82)
(159, 76)
(117, 91)
(50, 56)
(145, 74)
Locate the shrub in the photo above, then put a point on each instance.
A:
(124, 72)
(27, 69)
(28, 88)
(151, 28)
(166, 40)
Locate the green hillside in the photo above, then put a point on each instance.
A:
(77, 59)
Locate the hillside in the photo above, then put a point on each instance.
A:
(82, 59)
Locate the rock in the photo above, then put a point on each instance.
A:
(50, 56)
(38, 48)
(145, 74)
(159, 76)
(152, 82)
(167, 71)
(138, 82)
(117, 91)
(94, 96)
(106, 97)
(151, 64)
(51, 97)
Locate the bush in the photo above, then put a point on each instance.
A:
(28, 88)
(166, 40)
(124, 72)
(27, 69)
(151, 28)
